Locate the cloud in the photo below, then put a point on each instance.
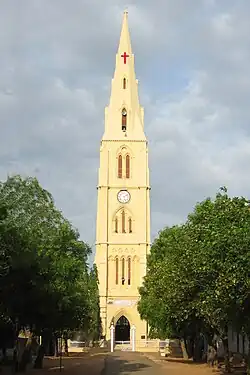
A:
(192, 60)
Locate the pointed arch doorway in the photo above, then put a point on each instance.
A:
(122, 330)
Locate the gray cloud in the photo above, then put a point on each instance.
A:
(192, 59)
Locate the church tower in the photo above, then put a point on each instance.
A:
(123, 208)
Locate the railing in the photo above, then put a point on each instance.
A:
(123, 345)
(77, 344)
(150, 343)
(127, 345)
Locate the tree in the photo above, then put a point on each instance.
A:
(198, 274)
(168, 292)
(45, 285)
(94, 327)
(221, 229)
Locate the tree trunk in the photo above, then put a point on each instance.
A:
(39, 359)
(15, 360)
(66, 348)
(56, 347)
(15, 351)
(198, 348)
(4, 351)
(42, 349)
(26, 356)
(184, 349)
(226, 355)
(190, 347)
(211, 355)
(248, 356)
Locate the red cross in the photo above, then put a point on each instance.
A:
(125, 57)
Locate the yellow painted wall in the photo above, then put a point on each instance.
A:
(117, 300)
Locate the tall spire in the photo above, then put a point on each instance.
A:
(124, 94)
(125, 43)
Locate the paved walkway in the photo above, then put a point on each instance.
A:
(128, 363)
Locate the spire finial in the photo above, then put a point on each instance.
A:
(125, 44)
(124, 94)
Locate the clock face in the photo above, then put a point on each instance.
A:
(123, 196)
(124, 112)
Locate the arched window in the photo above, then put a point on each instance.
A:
(127, 166)
(116, 225)
(116, 270)
(123, 222)
(120, 166)
(124, 120)
(123, 271)
(124, 83)
(130, 225)
(129, 271)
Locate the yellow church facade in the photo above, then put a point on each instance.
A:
(123, 207)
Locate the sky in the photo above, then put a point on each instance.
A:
(192, 58)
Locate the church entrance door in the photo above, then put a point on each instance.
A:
(122, 330)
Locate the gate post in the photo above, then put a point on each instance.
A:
(133, 337)
(112, 337)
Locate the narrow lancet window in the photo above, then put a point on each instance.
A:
(129, 271)
(130, 225)
(123, 222)
(120, 166)
(116, 270)
(116, 225)
(123, 271)
(124, 83)
(127, 166)
(124, 120)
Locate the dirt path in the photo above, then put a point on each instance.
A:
(88, 364)
(177, 367)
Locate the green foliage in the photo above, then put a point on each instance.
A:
(44, 276)
(95, 329)
(221, 230)
(168, 290)
(198, 273)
